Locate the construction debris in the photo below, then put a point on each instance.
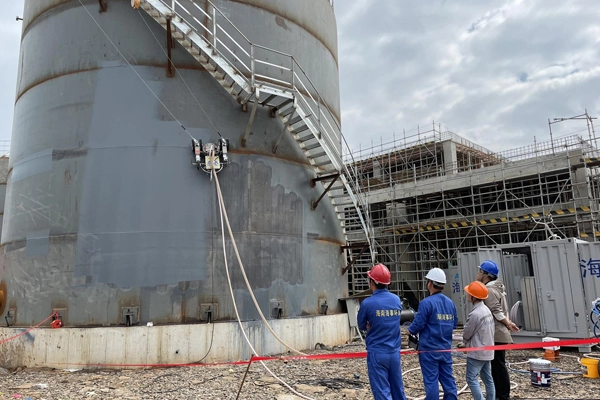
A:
(323, 379)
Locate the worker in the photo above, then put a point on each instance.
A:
(379, 315)
(479, 332)
(496, 302)
(434, 323)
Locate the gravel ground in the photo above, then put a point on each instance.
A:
(322, 379)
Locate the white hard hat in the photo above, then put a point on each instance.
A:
(436, 275)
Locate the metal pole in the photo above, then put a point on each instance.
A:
(319, 110)
(551, 141)
(252, 64)
(214, 26)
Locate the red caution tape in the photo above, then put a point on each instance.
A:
(531, 345)
(362, 354)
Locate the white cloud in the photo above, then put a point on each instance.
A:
(493, 72)
(490, 71)
(10, 32)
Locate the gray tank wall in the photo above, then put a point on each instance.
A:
(104, 210)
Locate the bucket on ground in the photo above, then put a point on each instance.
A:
(551, 353)
(540, 372)
(591, 367)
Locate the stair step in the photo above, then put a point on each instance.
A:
(284, 104)
(317, 155)
(209, 67)
(226, 84)
(305, 138)
(285, 112)
(301, 128)
(201, 59)
(339, 196)
(312, 146)
(294, 121)
(323, 163)
(268, 99)
(327, 172)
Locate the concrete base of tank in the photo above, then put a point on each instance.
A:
(141, 346)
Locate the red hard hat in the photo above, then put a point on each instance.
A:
(380, 274)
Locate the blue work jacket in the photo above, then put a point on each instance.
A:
(435, 322)
(382, 312)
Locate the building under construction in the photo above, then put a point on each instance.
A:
(433, 194)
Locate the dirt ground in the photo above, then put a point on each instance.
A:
(322, 379)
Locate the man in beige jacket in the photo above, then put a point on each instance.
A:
(496, 302)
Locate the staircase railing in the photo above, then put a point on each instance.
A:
(249, 60)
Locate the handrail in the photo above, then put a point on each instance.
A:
(319, 114)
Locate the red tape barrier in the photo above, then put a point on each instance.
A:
(362, 354)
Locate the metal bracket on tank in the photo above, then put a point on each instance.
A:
(313, 181)
(208, 312)
(10, 317)
(323, 306)
(170, 44)
(130, 316)
(252, 114)
(363, 247)
(276, 308)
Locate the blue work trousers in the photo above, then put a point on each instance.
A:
(385, 376)
(438, 367)
(476, 368)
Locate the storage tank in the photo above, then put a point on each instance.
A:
(105, 218)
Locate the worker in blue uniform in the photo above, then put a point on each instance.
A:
(434, 323)
(379, 315)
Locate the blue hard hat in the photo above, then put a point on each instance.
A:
(490, 267)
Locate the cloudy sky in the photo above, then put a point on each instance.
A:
(491, 71)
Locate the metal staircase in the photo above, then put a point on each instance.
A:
(281, 84)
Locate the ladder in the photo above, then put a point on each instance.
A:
(242, 69)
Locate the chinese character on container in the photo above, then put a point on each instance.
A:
(591, 266)
(455, 285)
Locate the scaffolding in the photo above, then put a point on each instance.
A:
(433, 193)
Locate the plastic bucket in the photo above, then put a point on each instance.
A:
(551, 353)
(591, 365)
(540, 372)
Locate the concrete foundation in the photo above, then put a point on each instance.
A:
(141, 346)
